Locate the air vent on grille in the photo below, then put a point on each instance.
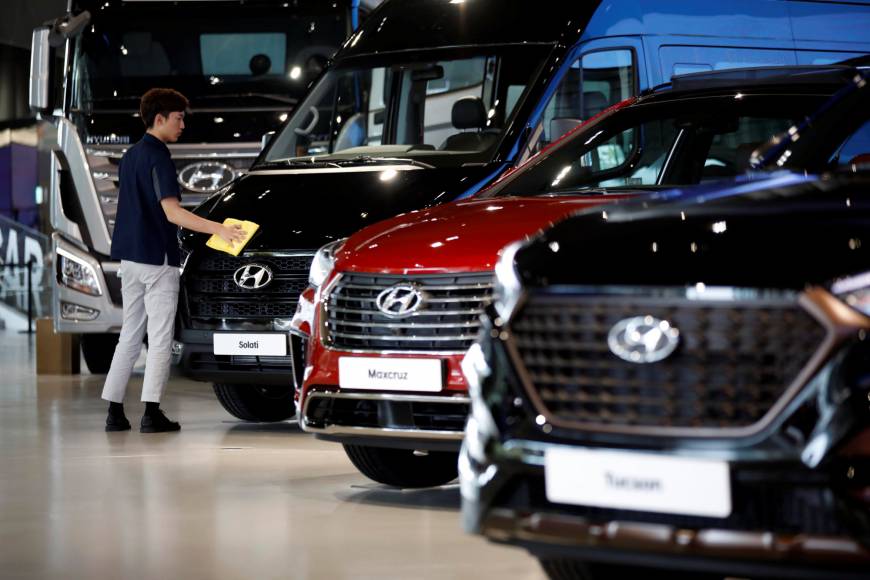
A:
(212, 293)
(448, 320)
(734, 361)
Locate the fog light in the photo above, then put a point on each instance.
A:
(76, 312)
(177, 351)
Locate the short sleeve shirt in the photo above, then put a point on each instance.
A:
(142, 232)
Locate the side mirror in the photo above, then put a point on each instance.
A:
(266, 139)
(41, 97)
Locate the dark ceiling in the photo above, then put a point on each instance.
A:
(20, 16)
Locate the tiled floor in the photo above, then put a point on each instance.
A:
(219, 500)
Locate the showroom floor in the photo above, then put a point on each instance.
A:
(221, 499)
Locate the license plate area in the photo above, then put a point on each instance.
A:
(638, 481)
(250, 344)
(417, 375)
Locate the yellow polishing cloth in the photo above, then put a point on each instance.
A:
(217, 243)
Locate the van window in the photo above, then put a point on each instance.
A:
(594, 82)
(855, 150)
(231, 54)
(449, 110)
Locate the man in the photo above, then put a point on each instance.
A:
(145, 240)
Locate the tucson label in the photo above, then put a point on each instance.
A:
(616, 481)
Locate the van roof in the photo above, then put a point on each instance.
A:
(407, 25)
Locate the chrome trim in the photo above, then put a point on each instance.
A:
(416, 314)
(323, 316)
(70, 144)
(381, 431)
(505, 524)
(474, 324)
(839, 321)
(405, 338)
(59, 220)
(421, 286)
(186, 151)
(266, 254)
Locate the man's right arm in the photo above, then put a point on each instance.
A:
(190, 221)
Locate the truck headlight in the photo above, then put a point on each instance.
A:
(854, 291)
(76, 273)
(324, 261)
(507, 289)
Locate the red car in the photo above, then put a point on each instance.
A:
(391, 324)
(392, 309)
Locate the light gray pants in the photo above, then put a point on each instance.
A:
(150, 296)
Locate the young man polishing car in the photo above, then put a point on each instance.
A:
(145, 240)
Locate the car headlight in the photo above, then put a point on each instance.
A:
(324, 261)
(854, 291)
(507, 281)
(77, 274)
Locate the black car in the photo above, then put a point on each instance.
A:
(427, 101)
(683, 382)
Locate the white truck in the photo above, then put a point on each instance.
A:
(243, 65)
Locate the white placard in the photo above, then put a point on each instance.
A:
(638, 481)
(390, 374)
(274, 344)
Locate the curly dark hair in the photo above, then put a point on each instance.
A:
(160, 101)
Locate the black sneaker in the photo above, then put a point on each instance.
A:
(117, 423)
(157, 423)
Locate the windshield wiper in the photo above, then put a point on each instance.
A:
(270, 96)
(299, 162)
(369, 160)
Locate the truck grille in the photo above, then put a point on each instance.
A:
(734, 361)
(212, 293)
(448, 320)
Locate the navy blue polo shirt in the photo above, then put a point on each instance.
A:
(142, 232)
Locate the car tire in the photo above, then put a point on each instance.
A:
(256, 404)
(402, 468)
(98, 350)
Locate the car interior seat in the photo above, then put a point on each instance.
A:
(469, 113)
(593, 103)
(352, 133)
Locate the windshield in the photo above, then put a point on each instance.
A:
(836, 136)
(438, 111)
(257, 55)
(659, 144)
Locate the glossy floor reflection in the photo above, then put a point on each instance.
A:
(219, 500)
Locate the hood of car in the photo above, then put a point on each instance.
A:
(785, 232)
(458, 237)
(307, 208)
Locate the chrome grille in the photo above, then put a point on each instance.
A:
(734, 362)
(211, 293)
(448, 320)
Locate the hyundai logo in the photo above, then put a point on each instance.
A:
(400, 300)
(253, 276)
(643, 339)
(206, 177)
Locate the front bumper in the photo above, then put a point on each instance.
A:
(197, 361)
(385, 419)
(788, 521)
(431, 421)
(107, 306)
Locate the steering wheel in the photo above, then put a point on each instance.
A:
(315, 117)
